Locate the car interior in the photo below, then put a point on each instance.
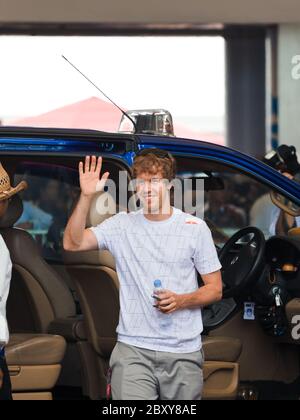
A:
(63, 331)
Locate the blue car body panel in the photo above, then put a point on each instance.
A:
(124, 147)
(226, 156)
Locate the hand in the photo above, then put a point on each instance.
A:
(288, 175)
(169, 302)
(89, 178)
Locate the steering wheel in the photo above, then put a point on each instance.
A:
(242, 262)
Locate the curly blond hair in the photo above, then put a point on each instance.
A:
(153, 161)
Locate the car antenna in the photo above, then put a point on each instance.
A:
(89, 80)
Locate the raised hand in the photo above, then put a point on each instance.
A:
(89, 176)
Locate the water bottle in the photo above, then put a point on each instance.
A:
(165, 320)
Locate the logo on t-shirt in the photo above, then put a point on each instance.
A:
(190, 221)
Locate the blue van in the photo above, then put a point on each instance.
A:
(63, 307)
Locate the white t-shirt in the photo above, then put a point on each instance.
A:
(5, 277)
(169, 250)
(261, 214)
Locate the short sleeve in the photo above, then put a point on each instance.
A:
(108, 232)
(206, 258)
(5, 277)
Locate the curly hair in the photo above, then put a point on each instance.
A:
(155, 160)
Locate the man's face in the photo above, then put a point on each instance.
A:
(153, 191)
(3, 207)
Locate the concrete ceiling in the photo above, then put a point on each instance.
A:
(150, 11)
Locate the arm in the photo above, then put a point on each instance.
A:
(207, 263)
(284, 223)
(76, 236)
(211, 292)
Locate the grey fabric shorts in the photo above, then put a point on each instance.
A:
(140, 374)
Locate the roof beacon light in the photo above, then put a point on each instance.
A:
(148, 121)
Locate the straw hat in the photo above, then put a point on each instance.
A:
(6, 190)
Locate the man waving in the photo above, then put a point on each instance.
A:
(152, 359)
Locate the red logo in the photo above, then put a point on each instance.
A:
(191, 222)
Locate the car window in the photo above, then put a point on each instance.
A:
(242, 201)
(54, 189)
(47, 203)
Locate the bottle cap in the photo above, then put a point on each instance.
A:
(157, 283)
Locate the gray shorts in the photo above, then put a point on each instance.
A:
(140, 374)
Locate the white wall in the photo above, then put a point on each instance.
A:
(289, 84)
(153, 11)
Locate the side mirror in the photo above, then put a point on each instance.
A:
(285, 204)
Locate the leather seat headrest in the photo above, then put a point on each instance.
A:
(102, 207)
(13, 213)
